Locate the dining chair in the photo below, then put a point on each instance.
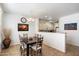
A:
(25, 35)
(23, 46)
(37, 48)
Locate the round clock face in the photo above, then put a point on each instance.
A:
(23, 20)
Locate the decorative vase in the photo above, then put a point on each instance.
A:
(6, 42)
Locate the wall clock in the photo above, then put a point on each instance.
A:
(23, 20)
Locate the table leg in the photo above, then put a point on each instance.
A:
(27, 49)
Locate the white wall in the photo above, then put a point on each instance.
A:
(72, 36)
(11, 21)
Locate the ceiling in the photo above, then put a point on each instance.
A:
(54, 10)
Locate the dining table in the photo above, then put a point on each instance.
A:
(30, 42)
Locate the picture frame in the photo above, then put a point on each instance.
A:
(23, 27)
(70, 26)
